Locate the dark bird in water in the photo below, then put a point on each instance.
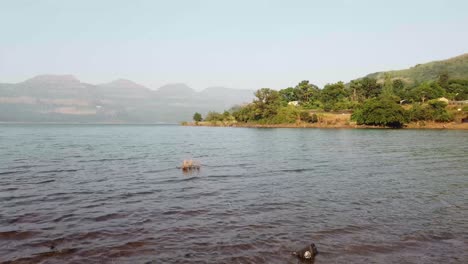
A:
(307, 253)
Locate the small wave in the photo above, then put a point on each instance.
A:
(42, 257)
(42, 182)
(128, 249)
(427, 237)
(11, 198)
(241, 165)
(197, 195)
(20, 159)
(128, 195)
(186, 212)
(92, 235)
(156, 171)
(28, 166)
(9, 189)
(296, 170)
(12, 172)
(229, 176)
(58, 171)
(63, 217)
(177, 180)
(107, 217)
(108, 159)
(58, 194)
(17, 235)
(344, 230)
(24, 218)
(56, 199)
(88, 206)
(75, 156)
(363, 249)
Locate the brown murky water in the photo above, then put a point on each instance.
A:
(113, 194)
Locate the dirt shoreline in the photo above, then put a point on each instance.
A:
(416, 125)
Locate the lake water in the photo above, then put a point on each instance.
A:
(114, 194)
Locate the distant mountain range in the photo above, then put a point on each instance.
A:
(456, 68)
(63, 98)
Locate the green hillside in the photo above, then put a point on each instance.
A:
(456, 68)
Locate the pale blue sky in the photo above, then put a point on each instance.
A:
(239, 43)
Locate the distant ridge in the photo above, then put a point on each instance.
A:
(52, 79)
(175, 90)
(456, 68)
(64, 98)
(123, 83)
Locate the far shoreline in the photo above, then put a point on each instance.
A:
(352, 125)
(409, 126)
(90, 123)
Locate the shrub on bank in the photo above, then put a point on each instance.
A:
(380, 112)
(305, 116)
(434, 110)
(285, 115)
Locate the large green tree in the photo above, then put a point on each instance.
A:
(267, 103)
(332, 94)
(427, 91)
(364, 89)
(434, 110)
(197, 117)
(214, 116)
(378, 112)
(458, 89)
(245, 113)
(289, 94)
(399, 89)
(443, 80)
(306, 92)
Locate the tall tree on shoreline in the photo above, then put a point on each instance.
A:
(332, 94)
(306, 92)
(267, 103)
(365, 88)
(197, 117)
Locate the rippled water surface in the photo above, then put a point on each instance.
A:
(114, 194)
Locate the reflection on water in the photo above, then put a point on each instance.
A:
(88, 193)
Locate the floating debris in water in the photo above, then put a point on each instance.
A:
(190, 165)
(308, 253)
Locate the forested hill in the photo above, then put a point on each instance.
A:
(432, 92)
(456, 68)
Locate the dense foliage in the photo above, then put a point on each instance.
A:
(197, 117)
(433, 111)
(380, 112)
(372, 102)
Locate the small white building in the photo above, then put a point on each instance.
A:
(443, 99)
(295, 103)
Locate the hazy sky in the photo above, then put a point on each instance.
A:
(237, 43)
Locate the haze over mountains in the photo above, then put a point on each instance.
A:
(63, 98)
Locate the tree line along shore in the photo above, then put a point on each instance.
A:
(362, 103)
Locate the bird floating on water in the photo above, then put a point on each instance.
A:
(307, 253)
